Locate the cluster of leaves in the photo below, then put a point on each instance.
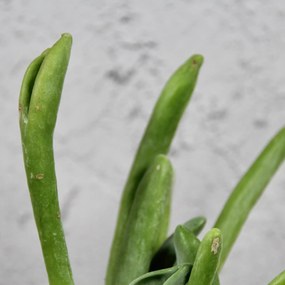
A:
(141, 253)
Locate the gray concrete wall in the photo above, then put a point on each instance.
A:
(123, 53)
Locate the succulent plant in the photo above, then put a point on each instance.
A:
(141, 252)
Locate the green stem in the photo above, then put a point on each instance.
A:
(38, 105)
(248, 191)
(156, 140)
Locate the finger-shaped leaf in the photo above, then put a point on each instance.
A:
(148, 221)
(186, 245)
(38, 106)
(156, 140)
(248, 191)
(205, 267)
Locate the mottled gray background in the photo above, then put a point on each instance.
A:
(123, 53)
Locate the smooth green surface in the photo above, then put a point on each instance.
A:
(279, 279)
(155, 277)
(179, 277)
(217, 280)
(195, 225)
(148, 221)
(165, 256)
(156, 140)
(38, 106)
(248, 191)
(186, 245)
(207, 259)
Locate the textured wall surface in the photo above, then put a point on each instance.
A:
(123, 53)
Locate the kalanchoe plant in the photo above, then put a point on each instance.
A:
(141, 253)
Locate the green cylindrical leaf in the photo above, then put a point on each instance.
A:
(148, 221)
(38, 105)
(248, 191)
(156, 140)
(186, 245)
(207, 259)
